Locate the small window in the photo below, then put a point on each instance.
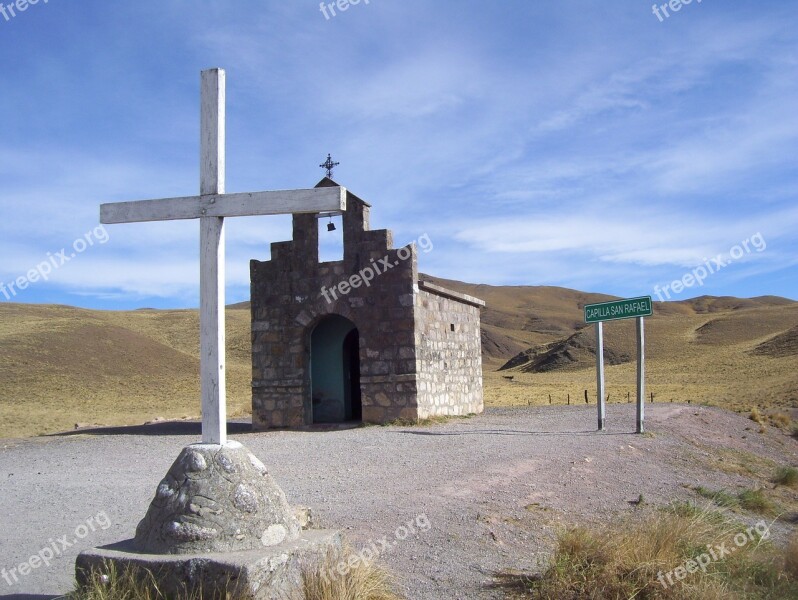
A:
(451, 327)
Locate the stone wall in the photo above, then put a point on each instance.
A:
(449, 353)
(412, 365)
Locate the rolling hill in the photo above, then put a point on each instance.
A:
(60, 365)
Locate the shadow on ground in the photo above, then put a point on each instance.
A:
(30, 597)
(193, 428)
(513, 584)
(514, 432)
(177, 428)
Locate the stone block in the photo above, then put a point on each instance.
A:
(374, 414)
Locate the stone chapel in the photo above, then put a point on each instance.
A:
(361, 339)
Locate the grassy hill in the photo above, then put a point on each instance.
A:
(61, 365)
(730, 352)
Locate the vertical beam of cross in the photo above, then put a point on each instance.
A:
(211, 207)
(212, 261)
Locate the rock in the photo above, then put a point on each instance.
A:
(305, 516)
(216, 499)
(87, 425)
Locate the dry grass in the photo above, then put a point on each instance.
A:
(632, 559)
(781, 420)
(62, 366)
(140, 584)
(756, 416)
(345, 576)
(786, 476)
(791, 557)
(756, 500)
(780, 499)
(736, 462)
(718, 497)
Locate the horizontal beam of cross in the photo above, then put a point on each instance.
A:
(313, 200)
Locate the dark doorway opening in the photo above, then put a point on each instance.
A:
(335, 371)
(352, 374)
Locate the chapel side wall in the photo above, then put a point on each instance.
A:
(386, 322)
(449, 362)
(288, 302)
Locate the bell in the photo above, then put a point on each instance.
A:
(330, 226)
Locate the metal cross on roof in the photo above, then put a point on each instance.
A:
(329, 165)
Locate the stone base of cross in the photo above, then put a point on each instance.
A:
(211, 207)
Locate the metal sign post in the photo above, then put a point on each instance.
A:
(632, 308)
(641, 375)
(602, 409)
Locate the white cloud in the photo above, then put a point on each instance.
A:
(624, 234)
(565, 143)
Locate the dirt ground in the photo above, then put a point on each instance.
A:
(487, 494)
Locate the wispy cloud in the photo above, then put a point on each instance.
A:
(572, 144)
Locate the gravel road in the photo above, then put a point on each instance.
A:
(485, 494)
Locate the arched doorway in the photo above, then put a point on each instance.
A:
(335, 371)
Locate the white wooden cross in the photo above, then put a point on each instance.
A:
(211, 207)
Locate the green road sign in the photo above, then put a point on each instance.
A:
(618, 309)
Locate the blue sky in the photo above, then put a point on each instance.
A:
(591, 145)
